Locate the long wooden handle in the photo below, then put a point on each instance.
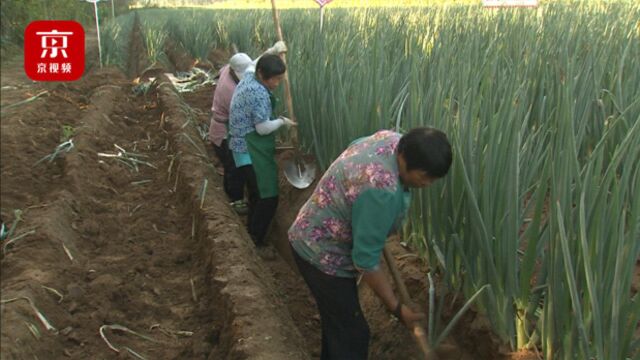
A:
(287, 87)
(419, 334)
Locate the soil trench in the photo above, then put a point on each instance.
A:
(110, 243)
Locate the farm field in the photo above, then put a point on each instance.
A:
(123, 245)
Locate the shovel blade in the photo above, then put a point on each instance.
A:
(299, 173)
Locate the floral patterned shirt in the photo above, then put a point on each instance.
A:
(359, 201)
(250, 105)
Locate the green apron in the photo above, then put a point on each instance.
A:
(262, 149)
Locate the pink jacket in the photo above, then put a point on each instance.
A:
(221, 104)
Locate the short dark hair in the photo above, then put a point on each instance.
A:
(426, 149)
(270, 65)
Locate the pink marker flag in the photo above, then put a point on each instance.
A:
(322, 2)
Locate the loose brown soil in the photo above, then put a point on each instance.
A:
(116, 251)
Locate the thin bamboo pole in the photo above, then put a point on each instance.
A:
(287, 87)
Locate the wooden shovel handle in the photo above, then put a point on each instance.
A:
(287, 87)
(419, 334)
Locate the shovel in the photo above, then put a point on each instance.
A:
(419, 334)
(299, 173)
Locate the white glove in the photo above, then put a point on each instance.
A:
(277, 48)
(288, 122)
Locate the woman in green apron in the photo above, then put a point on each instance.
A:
(229, 77)
(252, 141)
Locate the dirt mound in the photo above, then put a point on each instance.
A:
(137, 60)
(178, 56)
(100, 250)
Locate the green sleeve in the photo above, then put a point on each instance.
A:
(372, 216)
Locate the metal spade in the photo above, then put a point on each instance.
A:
(299, 173)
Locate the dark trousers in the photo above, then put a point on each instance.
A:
(261, 211)
(345, 332)
(233, 181)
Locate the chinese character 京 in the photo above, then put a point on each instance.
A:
(53, 41)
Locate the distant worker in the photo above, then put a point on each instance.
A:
(340, 232)
(230, 76)
(252, 141)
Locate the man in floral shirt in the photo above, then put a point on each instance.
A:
(341, 230)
